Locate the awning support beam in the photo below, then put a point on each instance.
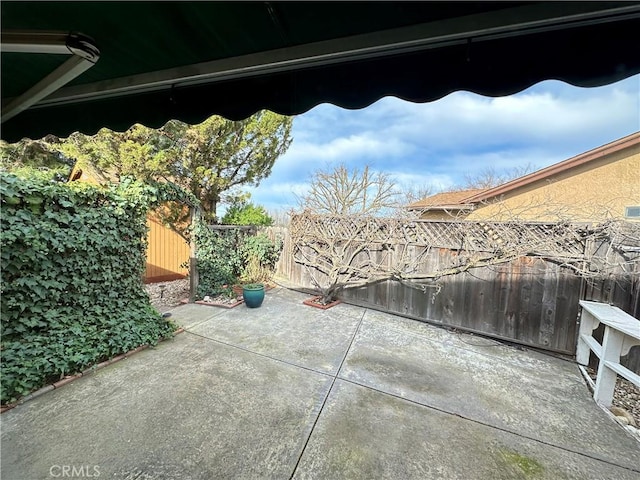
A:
(84, 56)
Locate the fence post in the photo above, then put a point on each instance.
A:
(194, 278)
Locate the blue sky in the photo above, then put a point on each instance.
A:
(435, 144)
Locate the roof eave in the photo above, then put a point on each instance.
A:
(442, 207)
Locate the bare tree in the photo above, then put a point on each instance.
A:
(281, 217)
(337, 251)
(342, 191)
(414, 193)
(350, 251)
(490, 176)
(410, 195)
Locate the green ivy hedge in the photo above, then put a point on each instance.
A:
(72, 258)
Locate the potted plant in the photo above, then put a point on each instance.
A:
(252, 286)
(253, 294)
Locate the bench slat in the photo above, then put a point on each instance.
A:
(624, 372)
(595, 347)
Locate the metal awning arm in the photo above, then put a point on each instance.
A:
(84, 54)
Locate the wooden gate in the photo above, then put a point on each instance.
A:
(166, 252)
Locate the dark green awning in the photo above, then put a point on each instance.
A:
(189, 60)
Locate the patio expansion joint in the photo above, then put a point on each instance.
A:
(253, 352)
(479, 422)
(324, 401)
(208, 319)
(333, 377)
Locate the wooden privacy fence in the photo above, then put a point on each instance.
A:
(166, 253)
(522, 298)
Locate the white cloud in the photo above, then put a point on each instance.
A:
(464, 121)
(422, 180)
(439, 142)
(275, 195)
(360, 147)
(463, 164)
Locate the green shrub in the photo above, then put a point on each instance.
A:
(219, 261)
(259, 256)
(242, 212)
(226, 256)
(72, 261)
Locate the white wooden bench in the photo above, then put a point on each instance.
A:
(622, 332)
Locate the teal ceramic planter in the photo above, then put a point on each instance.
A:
(253, 294)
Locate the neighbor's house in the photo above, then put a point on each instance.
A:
(600, 184)
(445, 205)
(166, 250)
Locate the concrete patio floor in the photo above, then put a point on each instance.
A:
(289, 391)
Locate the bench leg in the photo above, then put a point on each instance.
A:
(588, 323)
(606, 380)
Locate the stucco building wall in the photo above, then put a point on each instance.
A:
(598, 190)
